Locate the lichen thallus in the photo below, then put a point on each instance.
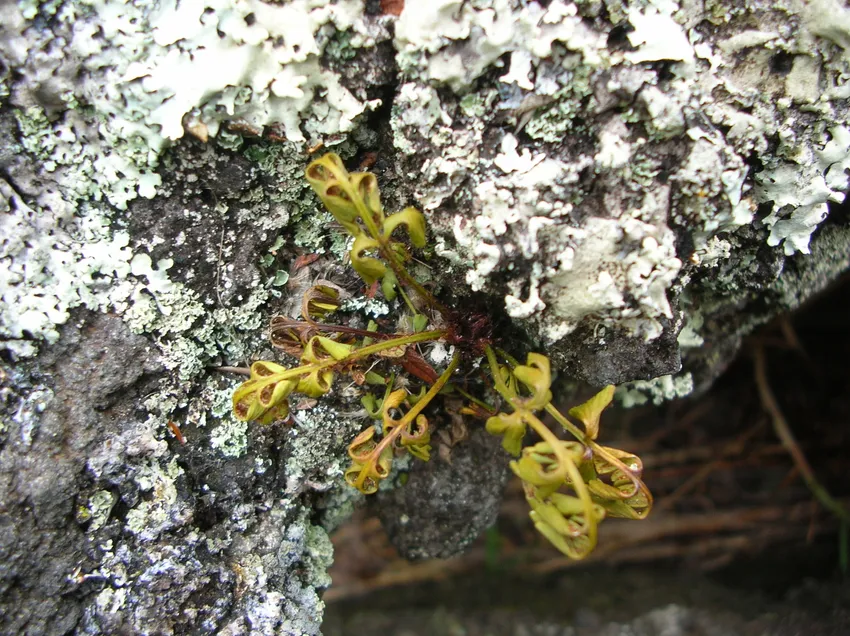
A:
(571, 486)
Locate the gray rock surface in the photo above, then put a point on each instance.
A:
(445, 505)
(108, 528)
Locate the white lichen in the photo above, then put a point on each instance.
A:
(657, 390)
(453, 42)
(804, 188)
(617, 262)
(98, 509)
(129, 78)
(162, 510)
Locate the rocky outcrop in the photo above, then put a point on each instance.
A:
(630, 186)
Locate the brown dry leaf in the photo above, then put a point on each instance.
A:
(460, 432)
(196, 128)
(444, 452)
(303, 261)
(287, 338)
(392, 7)
(369, 158)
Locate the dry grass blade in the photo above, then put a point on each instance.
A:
(786, 436)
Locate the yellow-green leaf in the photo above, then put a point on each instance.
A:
(365, 184)
(319, 301)
(365, 483)
(363, 445)
(245, 404)
(372, 406)
(392, 401)
(271, 394)
(366, 476)
(388, 284)
(263, 369)
(317, 345)
(330, 180)
(261, 399)
(549, 475)
(577, 547)
(277, 412)
(589, 412)
(413, 398)
(416, 438)
(512, 429)
(563, 520)
(626, 478)
(550, 515)
(537, 377)
(316, 383)
(382, 467)
(375, 378)
(420, 451)
(372, 326)
(635, 508)
(328, 167)
(413, 220)
(370, 269)
(337, 350)
(547, 468)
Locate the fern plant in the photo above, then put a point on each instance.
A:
(571, 486)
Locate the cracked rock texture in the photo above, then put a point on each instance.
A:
(633, 186)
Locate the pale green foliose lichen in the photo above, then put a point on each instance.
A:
(657, 390)
(97, 509)
(666, 152)
(229, 435)
(133, 79)
(162, 510)
(313, 227)
(309, 464)
(98, 95)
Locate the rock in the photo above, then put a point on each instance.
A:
(628, 186)
(443, 507)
